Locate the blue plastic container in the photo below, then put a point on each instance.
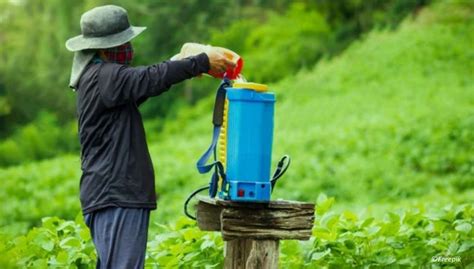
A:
(249, 144)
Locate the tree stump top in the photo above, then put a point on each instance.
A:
(275, 220)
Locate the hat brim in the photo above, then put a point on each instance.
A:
(80, 42)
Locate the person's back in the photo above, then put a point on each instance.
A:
(117, 187)
(114, 154)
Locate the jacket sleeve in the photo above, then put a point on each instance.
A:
(119, 84)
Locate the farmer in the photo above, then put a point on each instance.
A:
(117, 189)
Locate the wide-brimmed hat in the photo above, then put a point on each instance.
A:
(102, 27)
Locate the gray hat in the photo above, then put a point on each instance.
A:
(102, 27)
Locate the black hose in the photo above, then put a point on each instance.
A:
(194, 193)
(280, 170)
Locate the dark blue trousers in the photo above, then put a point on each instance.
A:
(120, 236)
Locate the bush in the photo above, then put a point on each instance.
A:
(56, 244)
(30, 191)
(409, 238)
(10, 153)
(40, 139)
(67, 244)
(262, 46)
(404, 238)
(183, 245)
(445, 149)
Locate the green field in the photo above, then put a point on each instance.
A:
(381, 137)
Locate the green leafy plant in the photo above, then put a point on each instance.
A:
(403, 238)
(183, 245)
(67, 244)
(407, 238)
(386, 125)
(57, 243)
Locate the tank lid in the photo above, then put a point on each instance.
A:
(250, 86)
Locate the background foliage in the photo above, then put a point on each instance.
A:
(35, 64)
(377, 116)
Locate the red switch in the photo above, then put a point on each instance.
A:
(240, 193)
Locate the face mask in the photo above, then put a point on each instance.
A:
(122, 54)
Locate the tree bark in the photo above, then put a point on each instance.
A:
(251, 254)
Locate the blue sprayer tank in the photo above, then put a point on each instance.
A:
(245, 142)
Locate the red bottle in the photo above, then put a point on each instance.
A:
(230, 73)
(190, 49)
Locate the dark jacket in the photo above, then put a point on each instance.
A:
(116, 165)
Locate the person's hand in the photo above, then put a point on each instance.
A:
(218, 62)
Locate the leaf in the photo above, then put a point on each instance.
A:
(397, 245)
(348, 215)
(385, 259)
(393, 217)
(70, 242)
(188, 257)
(437, 226)
(325, 204)
(466, 246)
(210, 266)
(47, 245)
(319, 255)
(433, 242)
(40, 264)
(190, 234)
(207, 244)
(329, 220)
(453, 248)
(366, 222)
(349, 244)
(85, 234)
(391, 228)
(160, 238)
(321, 198)
(184, 223)
(62, 257)
(50, 223)
(323, 233)
(464, 227)
(79, 218)
(373, 230)
(359, 234)
(43, 240)
(69, 226)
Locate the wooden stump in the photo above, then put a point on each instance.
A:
(252, 230)
(250, 253)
